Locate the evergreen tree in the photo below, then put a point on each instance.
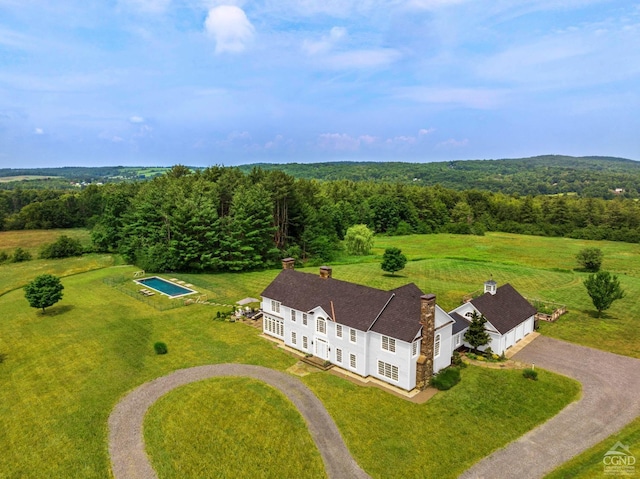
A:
(476, 334)
(393, 260)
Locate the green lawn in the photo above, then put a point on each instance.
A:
(218, 428)
(589, 464)
(33, 240)
(64, 371)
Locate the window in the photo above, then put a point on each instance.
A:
(275, 326)
(414, 347)
(457, 340)
(275, 306)
(293, 337)
(338, 330)
(388, 370)
(352, 360)
(305, 342)
(293, 315)
(339, 355)
(352, 335)
(304, 319)
(388, 344)
(436, 346)
(321, 326)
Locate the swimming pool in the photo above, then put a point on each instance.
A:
(165, 287)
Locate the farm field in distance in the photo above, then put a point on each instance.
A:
(65, 370)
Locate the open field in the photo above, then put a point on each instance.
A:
(33, 240)
(7, 179)
(64, 371)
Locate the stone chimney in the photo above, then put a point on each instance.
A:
(490, 286)
(325, 272)
(288, 263)
(424, 369)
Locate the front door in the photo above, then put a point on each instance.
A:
(322, 349)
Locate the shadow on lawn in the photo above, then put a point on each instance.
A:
(56, 310)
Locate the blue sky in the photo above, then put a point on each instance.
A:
(200, 82)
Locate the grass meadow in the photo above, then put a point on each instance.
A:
(64, 371)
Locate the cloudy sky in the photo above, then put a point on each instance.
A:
(200, 82)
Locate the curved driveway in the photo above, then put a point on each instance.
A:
(126, 440)
(610, 399)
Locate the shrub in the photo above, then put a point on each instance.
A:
(160, 348)
(590, 259)
(456, 359)
(530, 374)
(4, 257)
(63, 247)
(20, 255)
(472, 356)
(446, 379)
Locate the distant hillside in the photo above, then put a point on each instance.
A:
(550, 174)
(594, 176)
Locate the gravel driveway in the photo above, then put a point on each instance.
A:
(126, 440)
(610, 400)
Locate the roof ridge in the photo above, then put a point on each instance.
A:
(381, 311)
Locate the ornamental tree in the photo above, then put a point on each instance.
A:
(604, 289)
(393, 260)
(476, 334)
(358, 240)
(44, 291)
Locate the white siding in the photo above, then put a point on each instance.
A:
(401, 358)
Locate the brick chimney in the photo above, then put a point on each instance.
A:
(424, 369)
(325, 272)
(288, 263)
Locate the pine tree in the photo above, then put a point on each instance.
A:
(476, 334)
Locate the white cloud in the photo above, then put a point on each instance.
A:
(136, 119)
(230, 28)
(425, 131)
(327, 43)
(433, 4)
(39, 131)
(356, 59)
(342, 141)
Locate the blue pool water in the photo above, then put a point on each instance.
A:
(165, 287)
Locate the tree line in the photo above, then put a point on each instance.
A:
(223, 219)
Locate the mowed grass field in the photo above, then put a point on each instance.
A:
(33, 240)
(64, 371)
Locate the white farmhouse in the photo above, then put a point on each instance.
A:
(400, 336)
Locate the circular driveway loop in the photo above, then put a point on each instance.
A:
(126, 440)
(610, 400)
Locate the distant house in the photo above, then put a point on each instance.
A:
(400, 336)
(510, 317)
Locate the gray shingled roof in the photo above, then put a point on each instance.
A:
(460, 323)
(355, 306)
(506, 309)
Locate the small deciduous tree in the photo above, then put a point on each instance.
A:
(20, 255)
(590, 259)
(604, 289)
(358, 240)
(476, 334)
(63, 247)
(393, 260)
(44, 291)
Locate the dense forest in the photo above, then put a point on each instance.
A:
(596, 177)
(223, 219)
(592, 176)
